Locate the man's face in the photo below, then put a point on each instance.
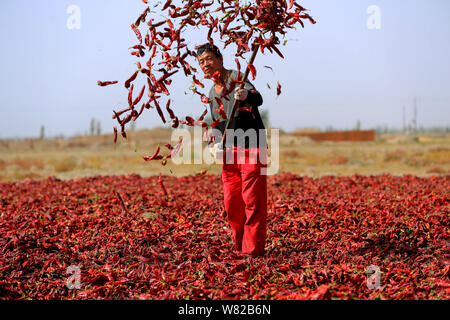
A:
(209, 63)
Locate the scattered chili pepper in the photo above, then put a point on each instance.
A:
(122, 202)
(203, 115)
(197, 82)
(130, 96)
(131, 79)
(215, 76)
(106, 83)
(158, 109)
(175, 123)
(155, 155)
(252, 69)
(171, 114)
(168, 146)
(204, 98)
(278, 88)
(139, 97)
(129, 252)
(161, 184)
(137, 32)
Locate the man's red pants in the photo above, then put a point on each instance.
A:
(245, 197)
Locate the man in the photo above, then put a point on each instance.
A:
(244, 185)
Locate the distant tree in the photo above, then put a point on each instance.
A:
(133, 126)
(99, 129)
(42, 134)
(358, 125)
(92, 126)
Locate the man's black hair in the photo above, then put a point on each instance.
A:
(207, 47)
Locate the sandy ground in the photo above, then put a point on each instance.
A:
(421, 155)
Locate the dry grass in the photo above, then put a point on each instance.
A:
(87, 156)
(338, 160)
(64, 165)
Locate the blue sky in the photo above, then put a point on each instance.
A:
(334, 72)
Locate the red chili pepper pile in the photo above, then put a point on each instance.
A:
(131, 241)
(260, 22)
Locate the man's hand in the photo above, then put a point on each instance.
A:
(240, 94)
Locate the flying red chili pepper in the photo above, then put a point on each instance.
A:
(272, 16)
(200, 124)
(252, 69)
(221, 110)
(277, 51)
(131, 79)
(116, 114)
(139, 97)
(127, 118)
(204, 98)
(166, 5)
(291, 3)
(215, 76)
(152, 157)
(190, 121)
(175, 123)
(142, 17)
(140, 112)
(197, 82)
(163, 88)
(203, 115)
(130, 96)
(166, 75)
(278, 88)
(171, 114)
(158, 109)
(137, 32)
(238, 65)
(307, 16)
(168, 146)
(215, 123)
(106, 83)
(222, 113)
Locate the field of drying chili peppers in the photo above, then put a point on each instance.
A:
(130, 241)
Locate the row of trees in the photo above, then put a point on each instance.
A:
(95, 127)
